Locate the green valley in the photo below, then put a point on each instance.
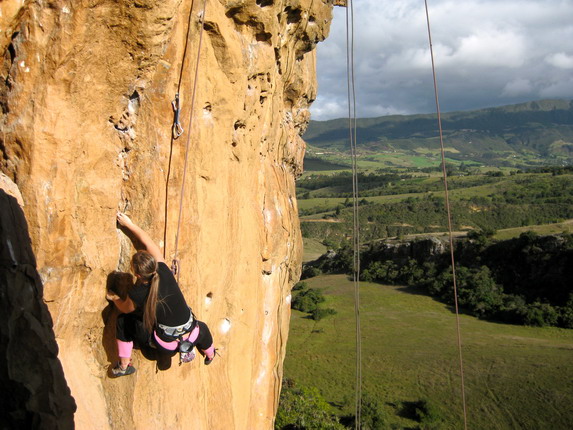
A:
(516, 377)
(510, 181)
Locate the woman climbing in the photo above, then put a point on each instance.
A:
(154, 312)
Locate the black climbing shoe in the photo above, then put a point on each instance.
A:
(118, 371)
(210, 360)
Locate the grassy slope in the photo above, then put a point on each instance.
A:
(556, 228)
(516, 377)
(312, 249)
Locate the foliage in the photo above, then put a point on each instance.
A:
(424, 412)
(372, 414)
(309, 271)
(566, 314)
(319, 313)
(523, 281)
(307, 300)
(409, 353)
(484, 202)
(300, 286)
(428, 415)
(302, 408)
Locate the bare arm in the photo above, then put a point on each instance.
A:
(125, 306)
(142, 236)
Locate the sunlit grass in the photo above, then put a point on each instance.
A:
(516, 377)
(312, 249)
(556, 228)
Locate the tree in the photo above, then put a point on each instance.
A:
(428, 415)
(372, 415)
(302, 408)
(478, 291)
(566, 314)
(307, 300)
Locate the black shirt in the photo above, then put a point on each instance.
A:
(172, 309)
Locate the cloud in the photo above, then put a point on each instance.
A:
(518, 87)
(560, 60)
(488, 47)
(557, 89)
(487, 53)
(330, 109)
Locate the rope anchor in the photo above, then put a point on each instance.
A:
(177, 128)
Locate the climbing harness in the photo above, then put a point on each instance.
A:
(177, 128)
(449, 216)
(178, 331)
(185, 346)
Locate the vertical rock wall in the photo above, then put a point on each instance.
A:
(85, 92)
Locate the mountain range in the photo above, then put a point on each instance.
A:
(539, 131)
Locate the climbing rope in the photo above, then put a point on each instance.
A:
(356, 223)
(449, 216)
(177, 129)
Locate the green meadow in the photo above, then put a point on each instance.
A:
(516, 377)
(312, 249)
(545, 229)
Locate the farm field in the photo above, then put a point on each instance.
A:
(516, 377)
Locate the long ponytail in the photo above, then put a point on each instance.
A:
(145, 266)
(149, 314)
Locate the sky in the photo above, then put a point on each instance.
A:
(487, 53)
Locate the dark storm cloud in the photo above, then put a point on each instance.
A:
(487, 53)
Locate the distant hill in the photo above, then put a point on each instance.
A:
(538, 129)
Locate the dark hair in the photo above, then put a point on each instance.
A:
(145, 265)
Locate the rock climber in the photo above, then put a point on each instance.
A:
(154, 311)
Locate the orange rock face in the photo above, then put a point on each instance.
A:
(86, 94)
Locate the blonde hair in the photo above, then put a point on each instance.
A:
(145, 265)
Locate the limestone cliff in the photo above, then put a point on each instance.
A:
(85, 91)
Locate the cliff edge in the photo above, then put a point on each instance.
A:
(86, 116)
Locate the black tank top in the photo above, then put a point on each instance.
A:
(172, 309)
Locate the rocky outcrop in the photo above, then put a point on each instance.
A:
(85, 92)
(422, 249)
(34, 391)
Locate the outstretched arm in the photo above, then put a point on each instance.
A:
(142, 236)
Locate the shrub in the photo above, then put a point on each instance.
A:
(310, 272)
(299, 286)
(372, 415)
(566, 314)
(428, 415)
(319, 313)
(304, 408)
(541, 314)
(307, 300)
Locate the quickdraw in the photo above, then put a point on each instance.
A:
(177, 128)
